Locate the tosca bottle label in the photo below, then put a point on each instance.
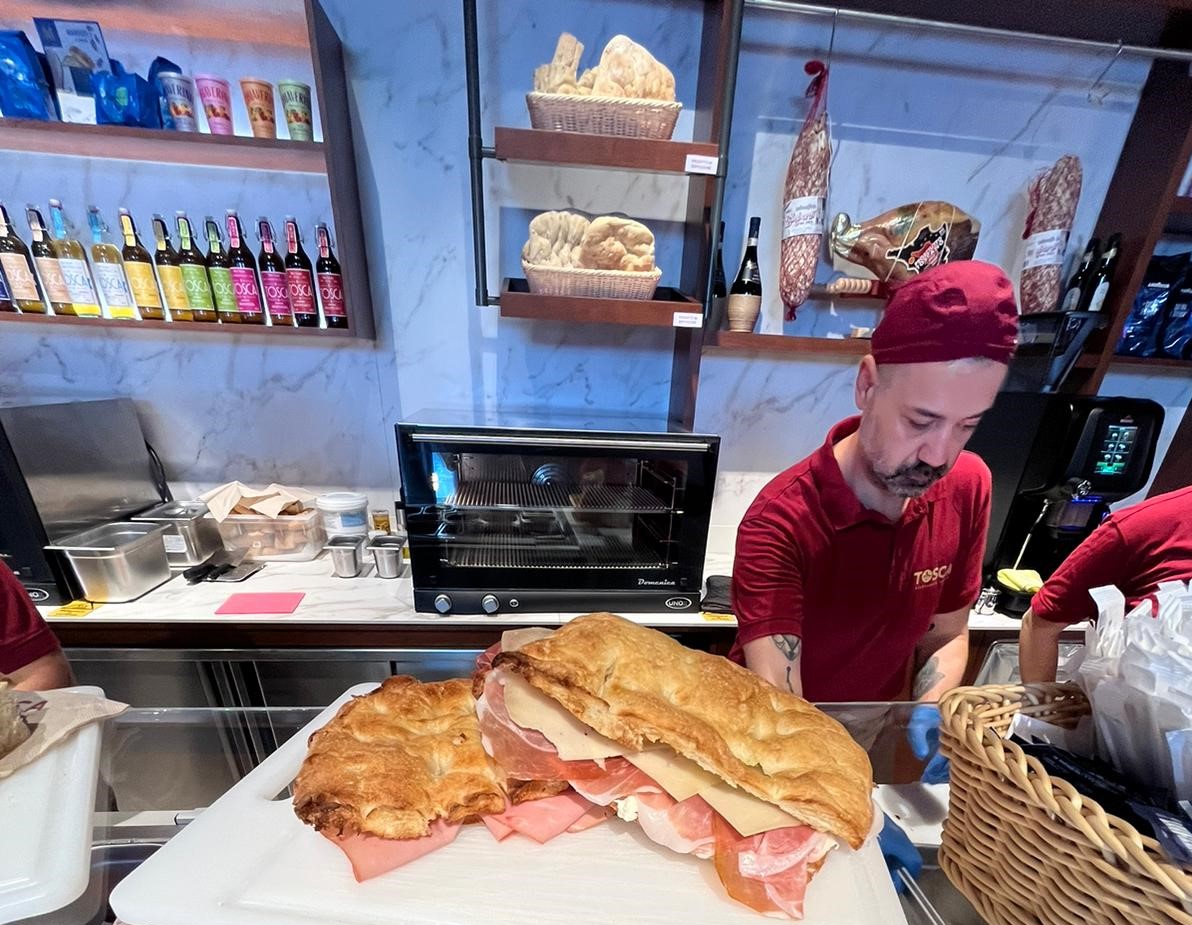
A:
(21, 280)
(222, 289)
(53, 280)
(116, 294)
(331, 291)
(277, 296)
(78, 284)
(244, 285)
(173, 287)
(302, 296)
(198, 291)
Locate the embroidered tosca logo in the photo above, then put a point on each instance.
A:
(930, 576)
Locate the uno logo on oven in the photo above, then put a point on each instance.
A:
(678, 603)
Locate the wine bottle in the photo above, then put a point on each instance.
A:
(1104, 274)
(193, 268)
(300, 279)
(331, 281)
(19, 270)
(745, 295)
(222, 290)
(138, 267)
(108, 270)
(1078, 285)
(72, 259)
(6, 302)
(273, 277)
(243, 268)
(169, 272)
(53, 283)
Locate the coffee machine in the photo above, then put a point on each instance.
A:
(1058, 462)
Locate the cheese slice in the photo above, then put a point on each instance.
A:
(745, 812)
(512, 640)
(678, 776)
(574, 740)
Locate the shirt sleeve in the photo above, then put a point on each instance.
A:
(767, 579)
(964, 584)
(24, 635)
(1102, 559)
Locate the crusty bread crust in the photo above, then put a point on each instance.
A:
(391, 762)
(636, 685)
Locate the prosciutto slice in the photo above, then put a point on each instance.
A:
(619, 780)
(542, 820)
(524, 754)
(684, 827)
(769, 872)
(371, 856)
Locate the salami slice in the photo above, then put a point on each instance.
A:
(803, 197)
(1053, 194)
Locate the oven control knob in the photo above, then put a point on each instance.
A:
(489, 603)
(443, 603)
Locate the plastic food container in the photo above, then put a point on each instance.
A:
(117, 562)
(344, 513)
(191, 536)
(294, 538)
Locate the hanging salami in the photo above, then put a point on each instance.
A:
(1053, 194)
(803, 196)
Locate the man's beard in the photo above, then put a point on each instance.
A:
(910, 481)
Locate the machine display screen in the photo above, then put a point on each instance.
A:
(1115, 451)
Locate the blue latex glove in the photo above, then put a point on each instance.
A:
(898, 852)
(923, 733)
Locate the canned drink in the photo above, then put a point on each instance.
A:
(178, 90)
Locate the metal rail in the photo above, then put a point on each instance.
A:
(1120, 48)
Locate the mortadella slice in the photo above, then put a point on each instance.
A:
(371, 856)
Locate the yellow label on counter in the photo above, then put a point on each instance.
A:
(75, 609)
(719, 617)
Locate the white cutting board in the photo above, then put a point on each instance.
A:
(46, 813)
(248, 860)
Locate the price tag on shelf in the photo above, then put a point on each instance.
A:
(688, 319)
(701, 163)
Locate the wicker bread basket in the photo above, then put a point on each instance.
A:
(597, 284)
(603, 115)
(1025, 847)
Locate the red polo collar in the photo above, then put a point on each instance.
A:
(840, 504)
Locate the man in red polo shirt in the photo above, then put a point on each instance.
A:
(1134, 549)
(29, 652)
(856, 568)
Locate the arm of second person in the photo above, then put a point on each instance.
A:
(1038, 648)
(43, 674)
(941, 656)
(776, 659)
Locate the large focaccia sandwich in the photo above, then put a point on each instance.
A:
(707, 757)
(559, 730)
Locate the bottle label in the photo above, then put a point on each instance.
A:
(4, 293)
(277, 295)
(80, 287)
(143, 283)
(742, 312)
(52, 279)
(21, 280)
(222, 289)
(198, 290)
(113, 285)
(1045, 249)
(804, 215)
(331, 292)
(173, 288)
(302, 296)
(1099, 295)
(248, 296)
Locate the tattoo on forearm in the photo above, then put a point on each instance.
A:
(789, 646)
(928, 677)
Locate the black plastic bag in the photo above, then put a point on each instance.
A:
(1144, 326)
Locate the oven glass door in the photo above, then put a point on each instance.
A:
(600, 514)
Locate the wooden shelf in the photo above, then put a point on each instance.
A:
(1179, 219)
(535, 146)
(659, 312)
(124, 143)
(786, 345)
(190, 327)
(1150, 362)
